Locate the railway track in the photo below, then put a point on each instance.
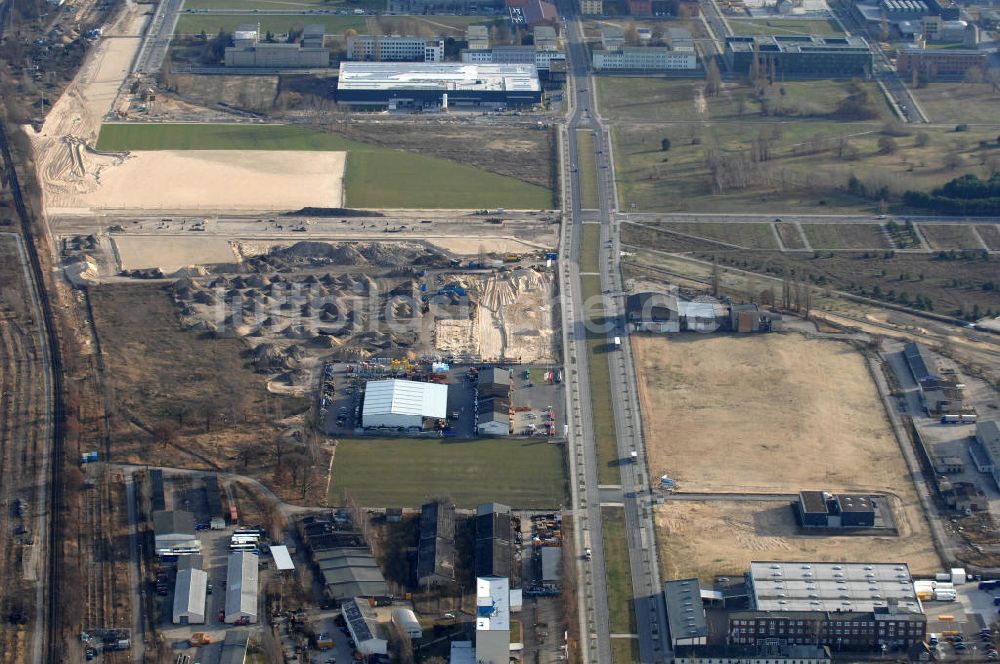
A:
(46, 645)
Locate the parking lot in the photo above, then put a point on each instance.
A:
(962, 634)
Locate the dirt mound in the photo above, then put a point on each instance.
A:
(369, 254)
(270, 358)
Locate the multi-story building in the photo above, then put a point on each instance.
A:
(514, 55)
(612, 37)
(592, 7)
(641, 58)
(373, 48)
(945, 62)
(791, 55)
(477, 37)
(248, 51)
(545, 37)
(849, 606)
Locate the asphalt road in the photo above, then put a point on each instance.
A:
(649, 608)
(156, 41)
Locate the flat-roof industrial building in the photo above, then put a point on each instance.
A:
(685, 613)
(494, 540)
(822, 509)
(441, 84)
(853, 606)
(396, 403)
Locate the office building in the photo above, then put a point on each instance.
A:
(514, 55)
(944, 63)
(791, 55)
(650, 58)
(850, 606)
(248, 51)
(373, 48)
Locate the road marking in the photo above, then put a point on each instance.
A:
(624, 636)
(610, 486)
(612, 504)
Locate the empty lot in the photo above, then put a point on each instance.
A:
(766, 413)
(775, 412)
(709, 538)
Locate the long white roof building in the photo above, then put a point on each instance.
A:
(241, 587)
(190, 591)
(403, 403)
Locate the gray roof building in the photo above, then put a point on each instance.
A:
(494, 538)
(190, 591)
(685, 613)
(832, 587)
(234, 648)
(364, 627)
(551, 559)
(436, 548)
(241, 587)
(922, 364)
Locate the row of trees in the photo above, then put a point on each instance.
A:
(965, 195)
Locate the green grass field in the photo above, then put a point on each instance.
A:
(808, 174)
(672, 100)
(749, 235)
(600, 390)
(290, 5)
(786, 26)
(194, 24)
(376, 176)
(625, 651)
(619, 576)
(404, 472)
(959, 102)
(590, 240)
(845, 236)
(949, 236)
(587, 168)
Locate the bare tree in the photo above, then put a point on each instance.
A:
(713, 79)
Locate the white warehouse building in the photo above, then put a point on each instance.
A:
(396, 403)
(241, 587)
(190, 591)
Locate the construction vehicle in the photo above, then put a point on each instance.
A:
(199, 639)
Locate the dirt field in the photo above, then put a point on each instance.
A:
(768, 413)
(796, 413)
(76, 116)
(709, 538)
(138, 252)
(196, 179)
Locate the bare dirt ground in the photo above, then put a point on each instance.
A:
(229, 180)
(711, 538)
(775, 412)
(75, 119)
(767, 413)
(170, 255)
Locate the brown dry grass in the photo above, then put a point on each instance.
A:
(775, 412)
(709, 538)
(766, 413)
